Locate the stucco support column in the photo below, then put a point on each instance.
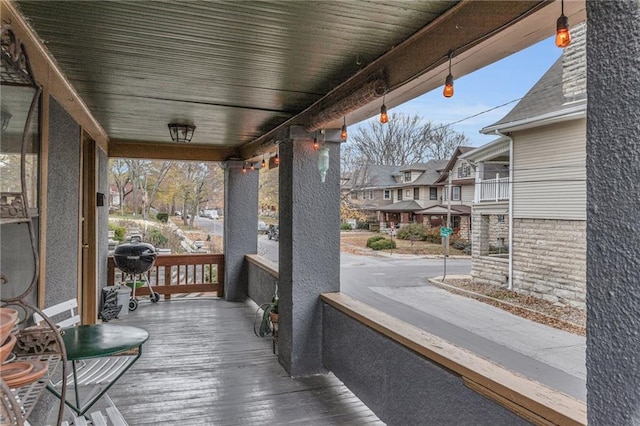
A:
(309, 247)
(240, 227)
(613, 229)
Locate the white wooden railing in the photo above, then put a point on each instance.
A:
(493, 189)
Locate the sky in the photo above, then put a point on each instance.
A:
(496, 84)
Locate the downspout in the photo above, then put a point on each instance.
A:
(510, 278)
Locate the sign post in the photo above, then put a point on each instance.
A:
(444, 234)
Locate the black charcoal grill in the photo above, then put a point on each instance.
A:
(135, 259)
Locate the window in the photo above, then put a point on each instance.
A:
(433, 193)
(386, 194)
(455, 222)
(399, 194)
(416, 193)
(407, 193)
(370, 193)
(354, 195)
(363, 195)
(500, 218)
(407, 176)
(464, 171)
(455, 193)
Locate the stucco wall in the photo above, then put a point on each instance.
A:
(63, 210)
(613, 173)
(262, 279)
(240, 227)
(549, 259)
(402, 387)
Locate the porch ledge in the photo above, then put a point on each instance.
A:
(266, 265)
(531, 400)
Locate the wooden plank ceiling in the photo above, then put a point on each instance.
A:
(239, 70)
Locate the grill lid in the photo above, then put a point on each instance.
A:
(135, 257)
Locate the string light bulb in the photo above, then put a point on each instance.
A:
(343, 134)
(315, 142)
(244, 167)
(384, 117)
(563, 37)
(276, 159)
(263, 164)
(448, 82)
(252, 166)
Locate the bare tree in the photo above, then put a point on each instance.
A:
(444, 142)
(403, 140)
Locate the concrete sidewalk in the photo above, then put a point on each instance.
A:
(549, 355)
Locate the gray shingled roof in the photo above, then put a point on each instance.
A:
(401, 206)
(431, 174)
(373, 176)
(547, 96)
(377, 176)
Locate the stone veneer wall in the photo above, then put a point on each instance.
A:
(549, 259)
(490, 270)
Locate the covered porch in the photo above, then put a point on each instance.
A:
(256, 79)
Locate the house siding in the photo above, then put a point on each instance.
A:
(549, 259)
(549, 172)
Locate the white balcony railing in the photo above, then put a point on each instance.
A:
(493, 189)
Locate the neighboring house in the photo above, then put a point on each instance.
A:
(544, 208)
(460, 175)
(401, 195)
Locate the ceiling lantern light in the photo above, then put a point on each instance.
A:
(563, 37)
(384, 117)
(181, 132)
(448, 82)
(343, 133)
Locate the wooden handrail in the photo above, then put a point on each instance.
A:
(179, 273)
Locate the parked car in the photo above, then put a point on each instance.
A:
(210, 213)
(262, 227)
(274, 232)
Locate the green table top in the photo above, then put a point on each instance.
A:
(99, 340)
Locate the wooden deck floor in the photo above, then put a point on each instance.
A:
(203, 365)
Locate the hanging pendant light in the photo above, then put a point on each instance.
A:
(252, 168)
(384, 117)
(563, 37)
(244, 167)
(343, 133)
(315, 141)
(263, 164)
(276, 159)
(448, 82)
(323, 163)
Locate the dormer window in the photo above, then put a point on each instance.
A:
(464, 171)
(407, 176)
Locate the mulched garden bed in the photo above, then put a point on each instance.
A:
(559, 316)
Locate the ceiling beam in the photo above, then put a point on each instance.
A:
(460, 29)
(153, 150)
